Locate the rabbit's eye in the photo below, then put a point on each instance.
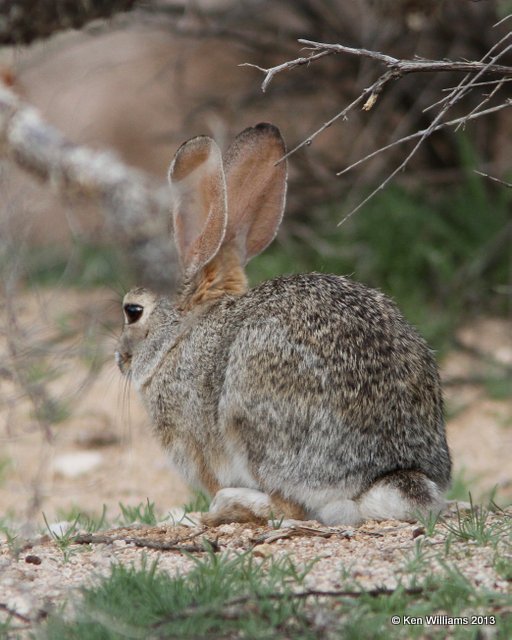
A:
(133, 312)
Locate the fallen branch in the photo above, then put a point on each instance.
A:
(229, 605)
(136, 206)
(174, 545)
(13, 613)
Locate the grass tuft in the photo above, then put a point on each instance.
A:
(199, 501)
(144, 512)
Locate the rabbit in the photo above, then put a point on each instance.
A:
(305, 397)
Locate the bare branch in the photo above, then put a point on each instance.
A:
(368, 94)
(494, 179)
(234, 608)
(473, 82)
(291, 64)
(136, 206)
(402, 67)
(397, 68)
(418, 134)
(478, 84)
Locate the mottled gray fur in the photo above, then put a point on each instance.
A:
(312, 387)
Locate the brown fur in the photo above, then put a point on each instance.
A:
(282, 507)
(191, 161)
(206, 477)
(223, 275)
(235, 513)
(204, 473)
(311, 389)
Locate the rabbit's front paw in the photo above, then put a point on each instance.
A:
(238, 505)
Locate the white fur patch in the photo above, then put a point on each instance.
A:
(231, 497)
(234, 471)
(339, 512)
(315, 499)
(383, 502)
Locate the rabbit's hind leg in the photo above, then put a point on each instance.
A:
(249, 505)
(238, 505)
(342, 511)
(400, 495)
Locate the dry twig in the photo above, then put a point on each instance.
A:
(396, 69)
(148, 543)
(229, 608)
(494, 179)
(13, 613)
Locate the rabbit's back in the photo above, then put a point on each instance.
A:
(326, 384)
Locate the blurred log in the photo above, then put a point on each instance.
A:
(136, 207)
(23, 21)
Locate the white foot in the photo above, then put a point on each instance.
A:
(385, 502)
(339, 512)
(238, 505)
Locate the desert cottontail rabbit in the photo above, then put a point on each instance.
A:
(308, 396)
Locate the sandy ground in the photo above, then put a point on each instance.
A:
(102, 451)
(376, 556)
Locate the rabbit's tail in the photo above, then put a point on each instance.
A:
(399, 495)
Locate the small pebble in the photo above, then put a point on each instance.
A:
(73, 465)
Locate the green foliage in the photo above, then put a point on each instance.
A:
(226, 596)
(135, 603)
(11, 537)
(143, 512)
(429, 521)
(461, 486)
(90, 523)
(88, 265)
(199, 501)
(439, 255)
(474, 526)
(499, 387)
(64, 540)
(503, 565)
(52, 411)
(5, 464)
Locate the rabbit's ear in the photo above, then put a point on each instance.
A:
(200, 210)
(256, 188)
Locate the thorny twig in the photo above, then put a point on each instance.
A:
(494, 179)
(418, 134)
(402, 66)
(396, 69)
(291, 64)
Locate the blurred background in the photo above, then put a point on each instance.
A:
(437, 239)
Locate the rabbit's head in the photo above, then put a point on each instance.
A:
(225, 211)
